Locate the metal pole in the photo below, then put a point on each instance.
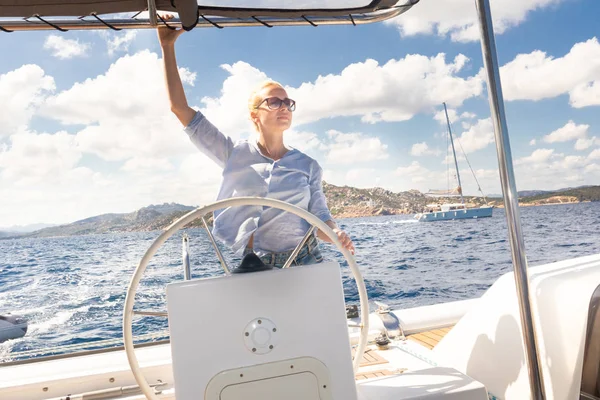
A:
(462, 199)
(152, 13)
(185, 254)
(214, 243)
(511, 200)
(292, 256)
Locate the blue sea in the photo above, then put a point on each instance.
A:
(71, 289)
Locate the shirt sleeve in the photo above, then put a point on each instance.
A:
(318, 203)
(209, 139)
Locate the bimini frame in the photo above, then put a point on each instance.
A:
(192, 15)
(217, 17)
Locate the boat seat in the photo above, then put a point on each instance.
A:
(276, 334)
(487, 343)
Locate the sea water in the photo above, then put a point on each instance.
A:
(72, 289)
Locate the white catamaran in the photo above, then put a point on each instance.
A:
(533, 335)
(449, 211)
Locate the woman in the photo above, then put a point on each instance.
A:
(263, 167)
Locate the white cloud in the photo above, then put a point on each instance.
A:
(42, 175)
(118, 42)
(546, 169)
(91, 193)
(537, 76)
(125, 116)
(230, 111)
(21, 92)
(197, 171)
(592, 169)
(303, 141)
(440, 116)
(532, 142)
(353, 148)
(418, 149)
(146, 164)
(364, 89)
(421, 149)
(594, 155)
(585, 143)
(476, 137)
(370, 90)
(538, 156)
(361, 175)
(122, 92)
(32, 158)
(65, 48)
(417, 176)
(125, 121)
(570, 131)
(458, 19)
(413, 170)
(586, 94)
(453, 116)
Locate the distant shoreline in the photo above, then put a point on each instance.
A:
(343, 202)
(390, 212)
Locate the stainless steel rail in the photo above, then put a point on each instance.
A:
(511, 200)
(292, 256)
(216, 247)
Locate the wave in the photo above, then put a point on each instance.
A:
(395, 221)
(59, 319)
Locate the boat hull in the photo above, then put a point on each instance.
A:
(469, 213)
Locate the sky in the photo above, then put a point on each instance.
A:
(85, 125)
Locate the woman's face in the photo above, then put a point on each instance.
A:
(267, 116)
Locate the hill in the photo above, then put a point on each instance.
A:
(575, 195)
(145, 219)
(343, 201)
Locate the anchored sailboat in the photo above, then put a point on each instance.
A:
(449, 211)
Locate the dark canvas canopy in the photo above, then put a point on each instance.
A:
(190, 10)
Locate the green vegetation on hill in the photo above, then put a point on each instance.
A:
(589, 193)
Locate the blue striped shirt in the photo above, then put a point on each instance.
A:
(295, 179)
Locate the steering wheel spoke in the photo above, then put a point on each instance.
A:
(151, 313)
(214, 243)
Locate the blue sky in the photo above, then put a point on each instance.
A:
(85, 127)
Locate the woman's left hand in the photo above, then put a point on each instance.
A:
(345, 239)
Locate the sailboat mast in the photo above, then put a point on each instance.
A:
(462, 199)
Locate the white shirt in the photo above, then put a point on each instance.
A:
(295, 178)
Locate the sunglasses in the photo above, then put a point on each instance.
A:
(275, 103)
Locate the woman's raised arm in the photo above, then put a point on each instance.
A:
(179, 105)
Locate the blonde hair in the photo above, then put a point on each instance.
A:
(255, 97)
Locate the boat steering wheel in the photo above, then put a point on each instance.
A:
(202, 211)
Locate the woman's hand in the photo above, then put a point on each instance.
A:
(166, 35)
(342, 236)
(345, 239)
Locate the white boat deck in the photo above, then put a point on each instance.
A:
(45, 378)
(74, 375)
